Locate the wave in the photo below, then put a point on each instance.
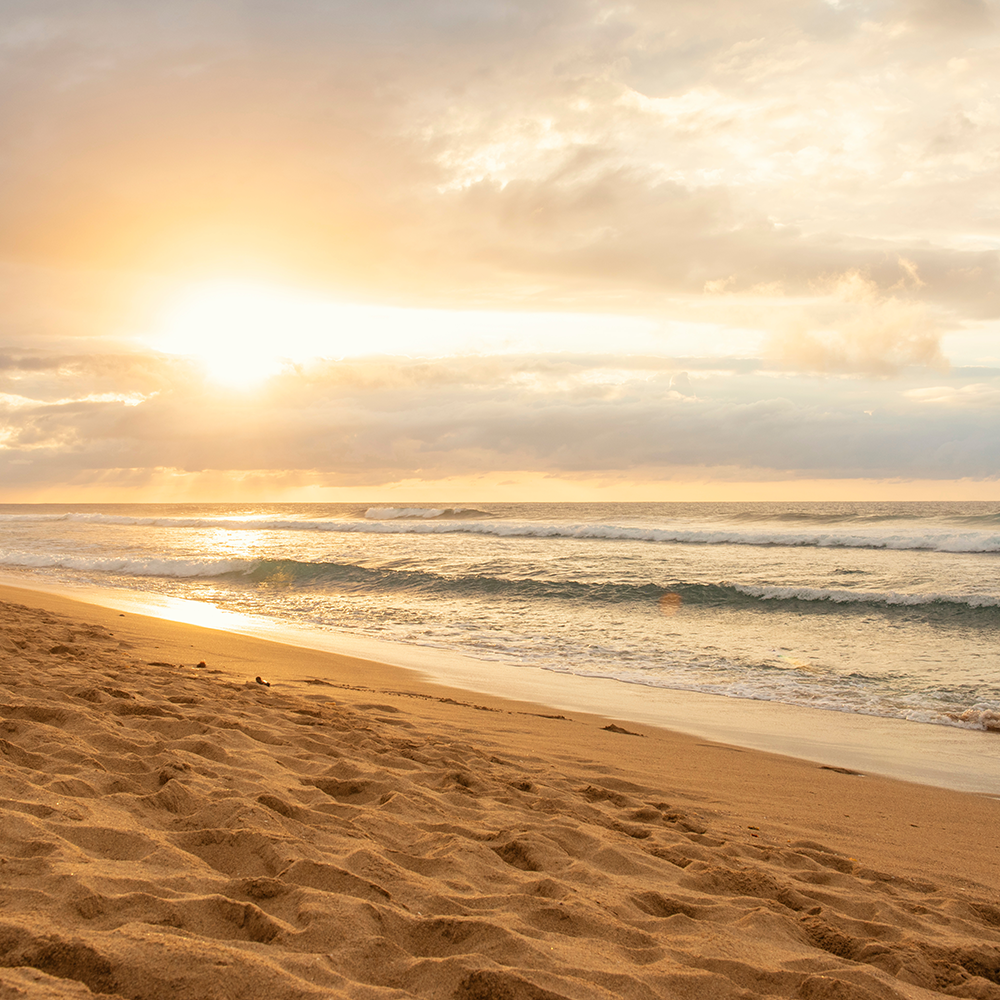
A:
(346, 594)
(351, 577)
(373, 579)
(423, 513)
(462, 520)
(885, 598)
(863, 518)
(179, 568)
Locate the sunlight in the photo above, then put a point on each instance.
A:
(239, 332)
(242, 333)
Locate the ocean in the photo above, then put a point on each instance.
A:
(876, 609)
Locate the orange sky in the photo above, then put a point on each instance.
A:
(544, 250)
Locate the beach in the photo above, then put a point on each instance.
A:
(499, 500)
(173, 827)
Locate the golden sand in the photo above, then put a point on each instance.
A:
(169, 830)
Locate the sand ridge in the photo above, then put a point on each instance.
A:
(170, 831)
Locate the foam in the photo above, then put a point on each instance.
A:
(432, 520)
(889, 598)
(133, 567)
(421, 513)
(837, 695)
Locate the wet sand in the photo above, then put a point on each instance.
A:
(351, 829)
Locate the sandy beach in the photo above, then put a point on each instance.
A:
(171, 827)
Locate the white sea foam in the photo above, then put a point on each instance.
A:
(863, 596)
(131, 567)
(977, 717)
(435, 520)
(423, 513)
(858, 701)
(392, 513)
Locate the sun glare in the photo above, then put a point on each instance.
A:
(243, 333)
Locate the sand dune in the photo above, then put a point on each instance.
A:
(170, 831)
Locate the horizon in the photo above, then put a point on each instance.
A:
(399, 503)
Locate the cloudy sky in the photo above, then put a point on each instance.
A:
(477, 249)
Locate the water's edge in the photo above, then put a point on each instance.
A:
(959, 759)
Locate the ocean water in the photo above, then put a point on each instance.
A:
(880, 609)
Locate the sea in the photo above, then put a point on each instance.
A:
(888, 610)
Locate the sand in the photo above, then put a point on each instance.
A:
(170, 830)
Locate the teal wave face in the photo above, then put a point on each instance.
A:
(351, 578)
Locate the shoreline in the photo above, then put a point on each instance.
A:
(355, 679)
(941, 756)
(350, 829)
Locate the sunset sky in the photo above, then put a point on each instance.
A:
(499, 249)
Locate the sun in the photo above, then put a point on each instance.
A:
(242, 333)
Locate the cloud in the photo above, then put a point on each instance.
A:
(681, 383)
(550, 150)
(378, 422)
(978, 395)
(864, 330)
(949, 15)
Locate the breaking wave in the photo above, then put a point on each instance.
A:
(178, 568)
(423, 513)
(420, 520)
(350, 577)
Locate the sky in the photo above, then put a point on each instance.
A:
(499, 249)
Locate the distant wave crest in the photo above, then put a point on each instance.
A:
(423, 513)
(432, 520)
